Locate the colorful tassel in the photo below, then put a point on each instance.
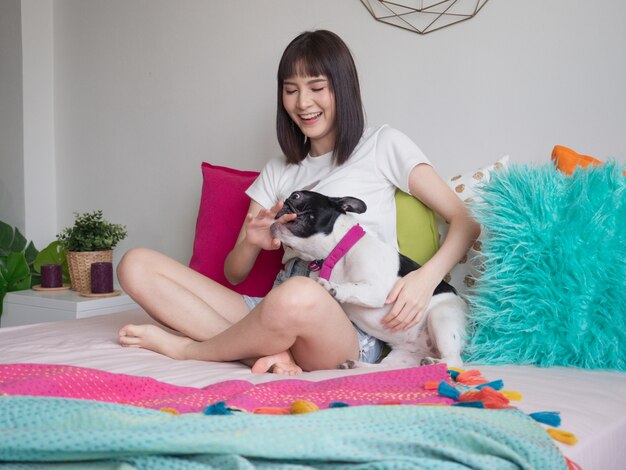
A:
(572, 465)
(494, 399)
(471, 377)
(431, 385)
(488, 396)
(565, 437)
(470, 404)
(448, 390)
(551, 418)
(512, 395)
(271, 410)
(453, 374)
(496, 385)
(218, 408)
(303, 406)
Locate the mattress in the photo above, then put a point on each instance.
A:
(592, 403)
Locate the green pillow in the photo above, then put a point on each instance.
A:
(418, 237)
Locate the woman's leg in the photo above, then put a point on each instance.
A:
(177, 296)
(298, 316)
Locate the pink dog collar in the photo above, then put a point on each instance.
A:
(344, 245)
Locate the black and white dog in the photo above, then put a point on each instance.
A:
(359, 270)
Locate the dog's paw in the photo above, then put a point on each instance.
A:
(429, 361)
(456, 361)
(349, 364)
(328, 286)
(449, 361)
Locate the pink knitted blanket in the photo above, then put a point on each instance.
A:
(404, 386)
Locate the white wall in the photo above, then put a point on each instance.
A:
(144, 91)
(11, 150)
(40, 205)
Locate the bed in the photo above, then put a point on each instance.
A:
(68, 390)
(592, 404)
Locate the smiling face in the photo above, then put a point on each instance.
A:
(310, 103)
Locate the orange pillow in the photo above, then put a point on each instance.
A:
(567, 160)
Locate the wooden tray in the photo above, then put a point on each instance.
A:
(49, 289)
(108, 294)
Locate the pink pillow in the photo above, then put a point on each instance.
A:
(223, 206)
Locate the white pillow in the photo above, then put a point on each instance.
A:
(464, 274)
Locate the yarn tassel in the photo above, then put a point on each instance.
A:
(218, 408)
(488, 396)
(431, 385)
(271, 410)
(448, 390)
(471, 377)
(551, 418)
(299, 407)
(496, 385)
(572, 465)
(565, 437)
(470, 404)
(512, 395)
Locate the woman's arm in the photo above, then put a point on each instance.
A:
(253, 237)
(426, 185)
(413, 292)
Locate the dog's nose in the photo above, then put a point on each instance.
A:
(287, 209)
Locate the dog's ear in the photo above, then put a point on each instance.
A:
(350, 204)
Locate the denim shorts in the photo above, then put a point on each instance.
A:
(370, 348)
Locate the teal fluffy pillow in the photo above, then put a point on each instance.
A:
(552, 291)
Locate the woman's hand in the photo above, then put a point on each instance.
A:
(258, 227)
(410, 297)
(253, 236)
(412, 294)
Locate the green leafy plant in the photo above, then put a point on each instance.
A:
(91, 232)
(54, 253)
(17, 259)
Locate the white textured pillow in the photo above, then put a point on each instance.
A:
(464, 274)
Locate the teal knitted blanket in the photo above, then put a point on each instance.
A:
(88, 434)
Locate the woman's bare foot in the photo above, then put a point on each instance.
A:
(155, 339)
(281, 363)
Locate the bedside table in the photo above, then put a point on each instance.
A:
(29, 306)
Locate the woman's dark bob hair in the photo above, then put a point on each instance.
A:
(312, 54)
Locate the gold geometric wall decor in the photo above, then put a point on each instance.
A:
(423, 16)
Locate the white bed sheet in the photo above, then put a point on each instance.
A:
(592, 403)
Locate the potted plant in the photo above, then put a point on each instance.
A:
(20, 261)
(91, 239)
(17, 257)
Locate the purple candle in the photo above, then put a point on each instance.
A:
(101, 278)
(51, 276)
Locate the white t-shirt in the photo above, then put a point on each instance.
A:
(380, 163)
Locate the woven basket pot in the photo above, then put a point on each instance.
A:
(79, 265)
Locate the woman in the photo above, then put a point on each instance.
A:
(298, 325)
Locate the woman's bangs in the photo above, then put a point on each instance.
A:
(302, 65)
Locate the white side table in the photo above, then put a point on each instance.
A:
(29, 306)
